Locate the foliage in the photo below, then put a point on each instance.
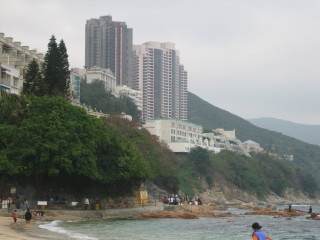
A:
(306, 156)
(13, 108)
(64, 78)
(96, 96)
(56, 69)
(34, 82)
(258, 175)
(48, 140)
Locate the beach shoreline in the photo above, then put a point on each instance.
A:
(10, 231)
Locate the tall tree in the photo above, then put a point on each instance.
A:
(33, 83)
(56, 69)
(64, 80)
(50, 67)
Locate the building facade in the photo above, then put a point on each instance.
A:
(104, 75)
(163, 81)
(76, 76)
(14, 61)
(180, 136)
(108, 45)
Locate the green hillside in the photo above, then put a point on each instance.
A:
(48, 143)
(306, 156)
(304, 132)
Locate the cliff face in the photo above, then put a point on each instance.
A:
(222, 194)
(225, 194)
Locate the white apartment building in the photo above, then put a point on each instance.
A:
(228, 134)
(163, 81)
(252, 146)
(135, 95)
(14, 61)
(104, 75)
(180, 136)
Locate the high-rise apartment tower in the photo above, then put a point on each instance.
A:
(163, 81)
(109, 46)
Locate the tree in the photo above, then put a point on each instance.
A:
(95, 95)
(56, 69)
(64, 80)
(34, 82)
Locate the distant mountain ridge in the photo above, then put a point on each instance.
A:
(306, 156)
(303, 132)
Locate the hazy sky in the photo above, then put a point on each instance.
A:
(253, 58)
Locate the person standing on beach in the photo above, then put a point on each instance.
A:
(28, 217)
(86, 203)
(14, 216)
(258, 234)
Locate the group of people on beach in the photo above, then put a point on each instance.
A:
(27, 216)
(175, 199)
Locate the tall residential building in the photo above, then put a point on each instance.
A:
(163, 81)
(14, 61)
(109, 46)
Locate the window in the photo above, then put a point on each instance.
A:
(15, 82)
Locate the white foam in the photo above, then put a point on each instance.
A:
(53, 227)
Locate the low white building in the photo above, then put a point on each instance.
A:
(180, 136)
(252, 146)
(228, 134)
(104, 75)
(135, 95)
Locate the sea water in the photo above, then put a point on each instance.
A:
(224, 228)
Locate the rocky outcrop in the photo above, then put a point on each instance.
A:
(276, 213)
(229, 195)
(188, 212)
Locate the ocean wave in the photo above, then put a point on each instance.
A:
(54, 227)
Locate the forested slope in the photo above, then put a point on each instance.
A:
(306, 156)
(50, 144)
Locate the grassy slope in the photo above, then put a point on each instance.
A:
(306, 155)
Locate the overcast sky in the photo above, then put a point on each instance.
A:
(253, 58)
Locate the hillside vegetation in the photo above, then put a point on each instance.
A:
(258, 175)
(95, 95)
(50, 144)
(306, 156)
(307, 133)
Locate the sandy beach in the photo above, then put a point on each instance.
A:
(18, 231)
(9, 231)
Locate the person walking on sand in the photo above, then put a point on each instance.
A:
(28, 217)
(14, 216)
(258, 234)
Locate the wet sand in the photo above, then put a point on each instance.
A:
(19, 231)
